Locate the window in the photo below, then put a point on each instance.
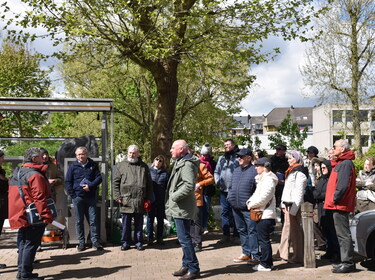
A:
(364, 140)
(363, 115)
(349, 116)
(336, 116)
(373, 115)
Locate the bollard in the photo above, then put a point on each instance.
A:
(307, 212)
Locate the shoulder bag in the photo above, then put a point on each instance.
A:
(256, 213)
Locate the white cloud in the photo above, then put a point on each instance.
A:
(279, 83)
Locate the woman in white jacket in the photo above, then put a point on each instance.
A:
(291, 201)
(264, 199)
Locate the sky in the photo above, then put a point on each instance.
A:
(278, 83)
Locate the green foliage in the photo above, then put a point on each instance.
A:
(21, 76)
(360, 161)
(289, 134)
(252, 142)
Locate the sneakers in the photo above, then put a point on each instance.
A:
(260, 267)
(97, 246)
(81, 247)
(242, 258)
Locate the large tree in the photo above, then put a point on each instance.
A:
(340, 63)
(21, 76)
(158, 34)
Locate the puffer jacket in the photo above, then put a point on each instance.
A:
(341, 187)
(133, 185)
(180, 197)
(204, 179)
(242, 187)
(76, 173)
(159, 180)
(35, 188)
(295, 184)
(264, 194)
(224, 170)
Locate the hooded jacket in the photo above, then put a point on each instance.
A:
(77, 173)
(35, 188)
(180, 197)
(264, 194)
(320, 189)
(224, 169)
(204, 179)
(340, 194)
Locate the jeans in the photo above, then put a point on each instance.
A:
(30, 240)
(248, 234)
(158, 211)
(85, 207)
(264, 229)
(206, 211)
(127, 229)
(189, 258)
(227, 220)
(341, 220)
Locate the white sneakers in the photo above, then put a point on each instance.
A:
(260, 267)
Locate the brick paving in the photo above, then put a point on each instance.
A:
(158, 262)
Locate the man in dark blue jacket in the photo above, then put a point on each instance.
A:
(81, 182)
(242, 188)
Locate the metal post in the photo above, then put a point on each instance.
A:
(103, 208)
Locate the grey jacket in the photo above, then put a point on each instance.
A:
(180, 196)
(133, 185)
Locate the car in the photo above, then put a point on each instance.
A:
(362, 228)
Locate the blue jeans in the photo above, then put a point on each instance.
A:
(227, 220)
(264, 229)
(29, 240)
(85, 207)
(248, 234)
(189, 258)
(206, 211)
(127, 229)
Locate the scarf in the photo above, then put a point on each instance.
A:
(290, 169)
(207, 162)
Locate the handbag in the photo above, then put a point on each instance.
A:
(256, 213)
(33, 217)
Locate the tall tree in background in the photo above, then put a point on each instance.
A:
(340, 63)
(21, 76)
(158, 34)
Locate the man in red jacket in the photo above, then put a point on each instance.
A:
(30, 177)
(340, 198)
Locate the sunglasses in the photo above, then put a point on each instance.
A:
(158, 159)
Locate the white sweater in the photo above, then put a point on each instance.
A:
(265, 191)
(293, 191)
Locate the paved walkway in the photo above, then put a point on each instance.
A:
(159, 262)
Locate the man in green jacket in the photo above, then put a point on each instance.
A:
(181, 205)
(133, 191)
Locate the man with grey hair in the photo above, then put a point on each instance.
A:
(30, 177)
(340, 199)
(81, 181)
(181, 204)
(133, 191)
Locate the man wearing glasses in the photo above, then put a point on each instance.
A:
(340, 198)
(133, 191)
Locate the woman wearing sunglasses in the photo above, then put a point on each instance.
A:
(160, 178)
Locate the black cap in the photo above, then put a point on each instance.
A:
(280, 147)
(313, 149)
(245, 152)
(263, 161)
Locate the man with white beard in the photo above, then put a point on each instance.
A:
(133, 191)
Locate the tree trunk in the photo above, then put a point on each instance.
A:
(165, 76)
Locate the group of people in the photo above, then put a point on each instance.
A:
(246, 180)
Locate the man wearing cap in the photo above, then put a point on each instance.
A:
(223, 179)
(279, 164)
(242, 188)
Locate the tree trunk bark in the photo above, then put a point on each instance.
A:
(165, 76)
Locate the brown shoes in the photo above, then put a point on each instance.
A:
(181, 272)
(190, 276)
